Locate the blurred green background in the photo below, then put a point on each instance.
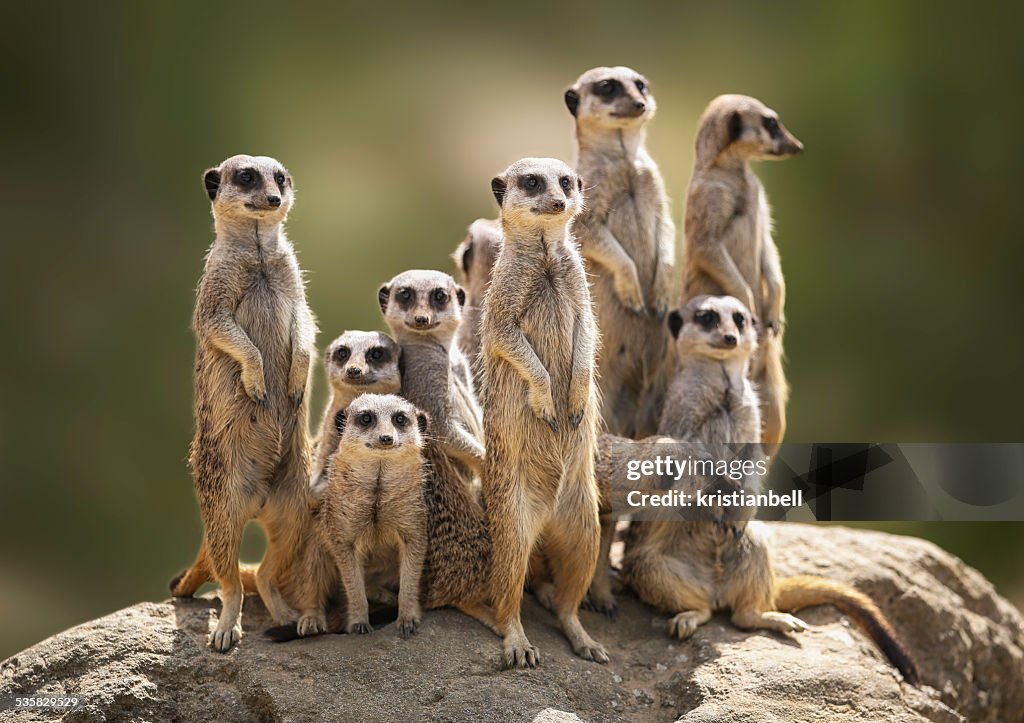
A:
(899, 227)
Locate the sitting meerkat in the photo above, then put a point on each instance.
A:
(250, 456)
(374, 500)
(692, 568)
(628, 240)
(357, 362)
(541, 409)
(423, 310)
(474, 258)
(729, 246)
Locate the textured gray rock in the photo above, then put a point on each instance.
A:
(149, 661)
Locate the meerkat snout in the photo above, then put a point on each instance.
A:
(249, 186)
(716, 327)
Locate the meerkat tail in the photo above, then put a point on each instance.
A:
(796, 593)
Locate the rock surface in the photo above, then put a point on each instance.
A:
(150, 661)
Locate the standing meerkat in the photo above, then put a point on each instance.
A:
(423, 310)
(541, 407)
(690, 569)
(250, 456)
(357, 362)
(474, 258)
(729, 246)
(627, 237)
(374, 500)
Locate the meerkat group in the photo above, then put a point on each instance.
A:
(476, 451)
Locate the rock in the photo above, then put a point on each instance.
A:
(150, 661)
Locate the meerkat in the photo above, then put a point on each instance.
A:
(375, 500)
(690, 569)
(423, 310)
(729, 235)
(357, 362)
(474, 258)
(250, 456)
(541, 406)
(628, 240)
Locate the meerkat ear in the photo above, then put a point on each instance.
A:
(211, 181)
(675, 323)
(572, 101)
(339, 421)
(735, 126)
(460, 294)
(422, 421)
(498, 187)
(383, 294)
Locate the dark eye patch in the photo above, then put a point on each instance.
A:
(707, 318)
(607, 89)
(772, 126)
(365, 419)
(439, 298)
(532, 185)
(739, 319)
(400, 419)
(405, 297)
(341, 354)
(378, 355)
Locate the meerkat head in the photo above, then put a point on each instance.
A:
(245, 187)
(714, 327)
(421, 302)
(475, 256)
(364, 361)
(538, 193)
(610, 98)
(743, 127)
(383, 423)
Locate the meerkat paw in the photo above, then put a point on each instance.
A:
(312, 624)
(222, 640)
(592, 650)
(520, 655)
(360, 628)
(627, 288)
(686, 623)
(408, 627)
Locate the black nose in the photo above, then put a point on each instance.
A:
(274, 201)
(639, 106)
(421, 321)
(386, 439)
(558, 205)
(729, 340)
(354, 372)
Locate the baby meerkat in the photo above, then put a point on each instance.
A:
(357, 362)
(374, 500)
(250, 456)
(627, 237)
(474, 258)
(692, 568)
(423, 310)
(729, 235)
(538, 343)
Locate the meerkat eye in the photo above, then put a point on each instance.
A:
(279, 177)
(365, 419)
(531, 181)
(376, 354)
(441, 296)
(739, 319)
(565, 183)
(400, 419)
(707, 319)
(246, 178)
(341, 354)
(641, 86)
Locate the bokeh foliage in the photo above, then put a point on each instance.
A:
(899, 227)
